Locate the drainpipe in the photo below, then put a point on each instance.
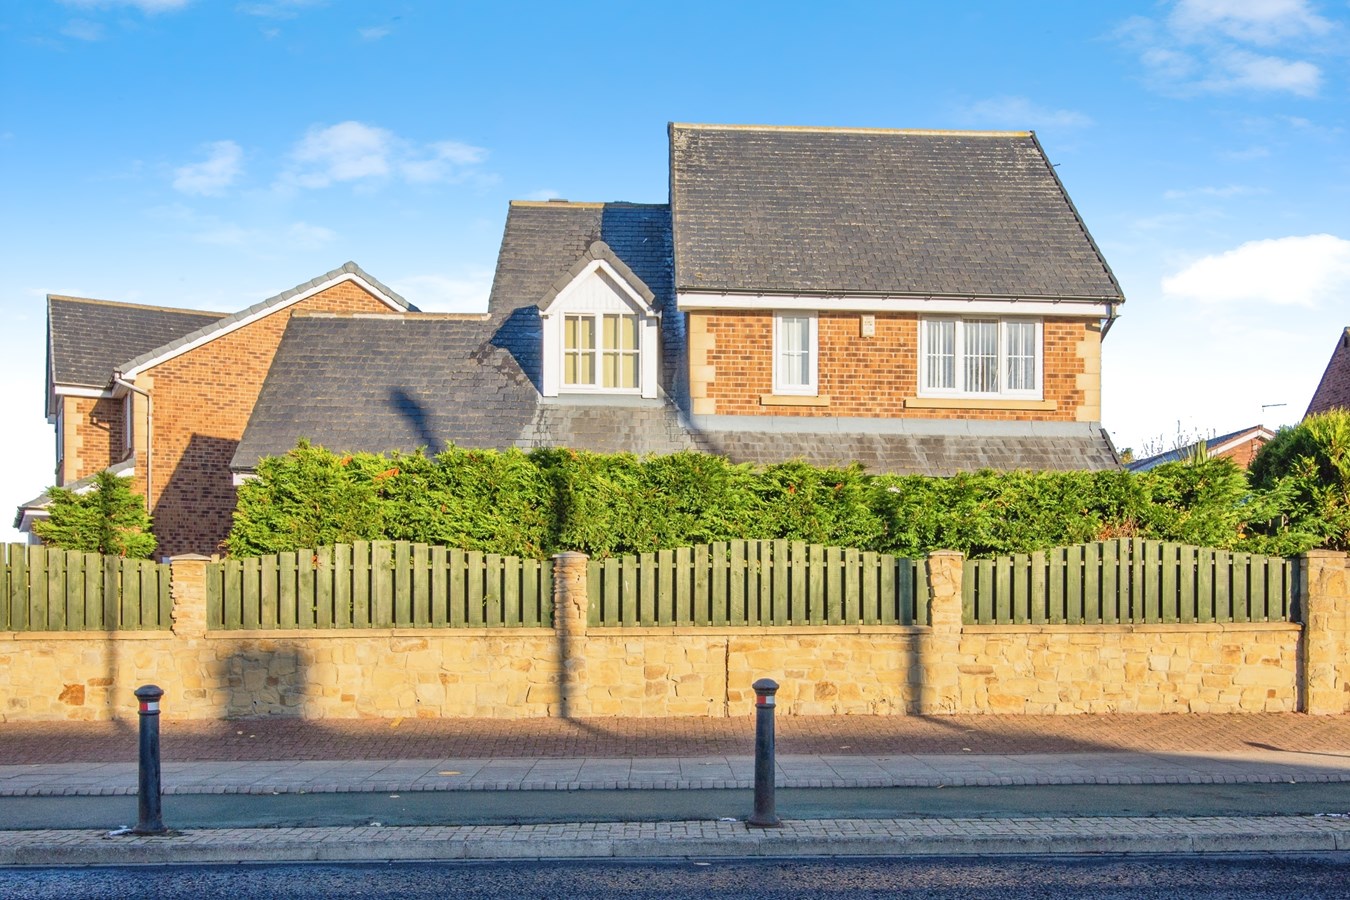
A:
(149, 437)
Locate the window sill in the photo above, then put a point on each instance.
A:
(792, 400)
(974, 403)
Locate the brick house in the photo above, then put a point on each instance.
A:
(1240, 446)
(162, 395)
(1333, 391)
(919, 302)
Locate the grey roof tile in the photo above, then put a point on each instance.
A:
(803, 210)
(88, 339)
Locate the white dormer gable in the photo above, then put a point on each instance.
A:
(601, 333)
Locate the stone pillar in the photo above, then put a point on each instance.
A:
(187, 590)
(570, 603)
(1324, 596)
(940, 689)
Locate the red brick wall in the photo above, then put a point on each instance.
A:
(1243, 454)
(95, 437)
(203, 400)
(868, 376)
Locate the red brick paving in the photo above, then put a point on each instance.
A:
(296, 739)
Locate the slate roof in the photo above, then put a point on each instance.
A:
(1333, 391)
(1212, 445)
(88, 339)
(869, 211)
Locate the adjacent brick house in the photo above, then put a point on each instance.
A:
(919, 302)
(1333, 391)
(1240, 446)
(164, 395)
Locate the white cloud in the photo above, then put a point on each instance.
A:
(211, 177)
(277, 9)
(375, 33)
(345, 152)
(309, 237)
(1221, 193)
(356, 152)
(1290, 271)
(83, 30)
(149, 7)
(1019, 112)
(1261, 22)
(1205, 46)
(446, 293)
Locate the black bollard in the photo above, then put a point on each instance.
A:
(149, 818)
(764, 815)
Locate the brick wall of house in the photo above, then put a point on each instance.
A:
(203, 400)
(95, 437)
(1243, 454)
(732, 370)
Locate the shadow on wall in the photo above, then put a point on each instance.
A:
(264, 682)
(193, 509)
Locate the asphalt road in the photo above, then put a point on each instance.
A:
(1305, 877)
(532, 807)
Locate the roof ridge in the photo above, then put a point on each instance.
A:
(836, 129)
(583, 204)
(146, 306)
(276, 300)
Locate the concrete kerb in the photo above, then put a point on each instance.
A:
(693, 839)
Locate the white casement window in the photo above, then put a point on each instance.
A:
(796, 352)
(979, 357)
(601, 352)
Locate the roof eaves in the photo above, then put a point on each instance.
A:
(126, 468)
(228, 323)
(826, 129)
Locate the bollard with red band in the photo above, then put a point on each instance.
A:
(149, 819)
(764, 815)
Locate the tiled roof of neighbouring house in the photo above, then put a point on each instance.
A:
(1212, 445)
(88, 339)
(867, 211)
(1333, 391)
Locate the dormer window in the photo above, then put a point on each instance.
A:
(600, 331)
(612, 362)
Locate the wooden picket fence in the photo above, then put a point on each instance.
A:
(1127, 581)
(379, 584)
(757, 583)
(48, 589)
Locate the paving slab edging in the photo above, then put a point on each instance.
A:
(697, 839)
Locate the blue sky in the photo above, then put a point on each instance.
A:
(211, 153)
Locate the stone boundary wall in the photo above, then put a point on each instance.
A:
(572, 670)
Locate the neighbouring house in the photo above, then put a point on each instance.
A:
(920, 302)
(162, 395)
(1240, 446)
(1333, 391)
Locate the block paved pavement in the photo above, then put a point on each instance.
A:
(282, 755)
(611, 738)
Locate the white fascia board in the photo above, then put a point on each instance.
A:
(1245, 437)
(598, 265)
(1089, 309)
(62, 390)
(131, 374)
(29, 517)
(240, 477)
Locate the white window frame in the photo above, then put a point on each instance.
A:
(598, 316)
(812, 387)
(959, 390)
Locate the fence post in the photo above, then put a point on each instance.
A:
(940, 689)
(1324, 602)
(569, 624)
(187, 590)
